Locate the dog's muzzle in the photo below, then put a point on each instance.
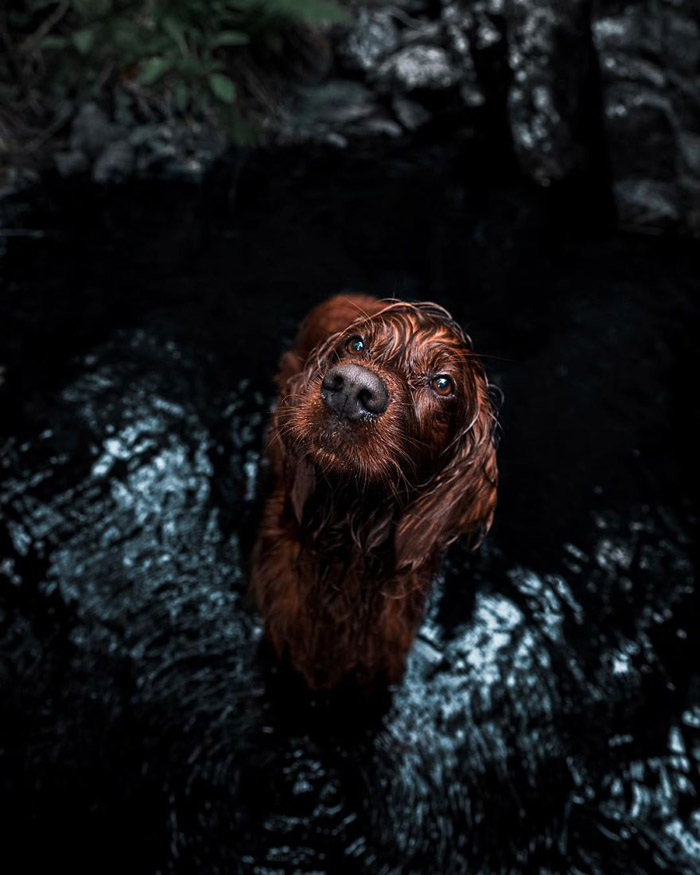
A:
(353, 392)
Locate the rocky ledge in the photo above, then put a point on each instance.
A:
(609, 87)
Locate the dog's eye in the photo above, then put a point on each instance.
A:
(355, 345)
(443, 385)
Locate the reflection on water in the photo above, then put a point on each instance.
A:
(543, 725)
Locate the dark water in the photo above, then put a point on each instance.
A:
(549, 720)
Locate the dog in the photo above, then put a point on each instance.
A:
(382, 451)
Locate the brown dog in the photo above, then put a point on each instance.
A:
(382, 452)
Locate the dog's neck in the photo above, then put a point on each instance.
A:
(345, 521)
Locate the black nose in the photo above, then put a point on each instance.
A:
(352, 392)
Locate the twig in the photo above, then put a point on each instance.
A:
(46, 134)
(45, 26)
(11, 53)
(107, 71)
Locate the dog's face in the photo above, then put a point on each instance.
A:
(387, 401)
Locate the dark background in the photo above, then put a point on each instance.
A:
(549, 718)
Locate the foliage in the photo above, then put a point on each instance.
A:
(189, 49)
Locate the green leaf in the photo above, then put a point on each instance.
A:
(182, 95)
(230, 38)
(222, 88)
(84, 40)
(53, 41)
(153, 70)
(176, 33)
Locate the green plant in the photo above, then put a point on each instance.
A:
(190, 50)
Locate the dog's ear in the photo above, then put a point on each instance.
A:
(303, 482)
(460, 499)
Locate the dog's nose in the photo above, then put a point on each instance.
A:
(352, 392)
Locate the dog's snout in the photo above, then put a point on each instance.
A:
(352, 392)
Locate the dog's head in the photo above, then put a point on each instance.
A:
(400, 401)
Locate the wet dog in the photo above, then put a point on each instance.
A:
(382, 450)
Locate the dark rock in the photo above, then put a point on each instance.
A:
(92, 131)
(649, 55)
(113, 152)
(155, 147)
(417, 66)
(548, 59)
(72, 162)
(602, 87)
(374, 35)
(647, 203)
(175, 151)
(424, 33)
(115, 164)
(487, 27)
(411, 7)
(379, 125)
(549, 719)
(336, 110)
(457, 24)
(336, 102)
(410, 113)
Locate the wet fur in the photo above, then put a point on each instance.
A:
(360, 511)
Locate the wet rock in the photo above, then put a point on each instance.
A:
(410, 113)
(374, 35)
(72, 162)
(417, 66)
(115, 164)
(175, 151)
(457, 23)
(548, 59)
(647, 203)
(123, 606)
(484, 19)
(92, 131)
(380, 125)
(536, 729)
(422, 32)
(535, 61)
(649, 57)
(411, 7)
(612, 85)
(336, 110)
(154, 146)
(337, 102)
(112, 152)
